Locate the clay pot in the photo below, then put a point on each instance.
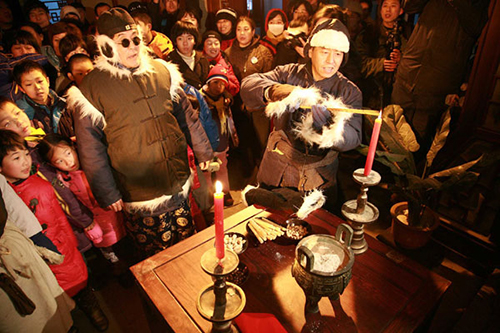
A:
(412, 237)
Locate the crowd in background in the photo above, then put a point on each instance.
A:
(42, 60)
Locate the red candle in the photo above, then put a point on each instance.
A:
(219, 220)
(373, 144)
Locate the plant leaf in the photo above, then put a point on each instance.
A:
(393, 115)
(416, 183)
(440, 138)
(455, 170)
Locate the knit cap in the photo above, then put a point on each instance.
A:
(210, 34)
(114, 21)
(69, 10)
(226, 14)
(218, 72)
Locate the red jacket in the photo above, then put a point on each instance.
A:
(39, 195)
(109, 221)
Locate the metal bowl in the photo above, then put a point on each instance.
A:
(238, 235)
(296, 229)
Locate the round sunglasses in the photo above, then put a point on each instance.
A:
(126, 42)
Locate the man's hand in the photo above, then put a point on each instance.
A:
(320, 115)
(117, 206)
(396, 56)
(204, 165)
(390, 65)
(278, 92)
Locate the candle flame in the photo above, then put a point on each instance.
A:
(218, 187)
(380, 115)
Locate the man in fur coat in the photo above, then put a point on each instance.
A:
(302, 151)
(133, 123)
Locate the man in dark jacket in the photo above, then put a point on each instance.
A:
(302, 151)
(435, 60)
(133, 123)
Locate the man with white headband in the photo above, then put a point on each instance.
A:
(302, 151)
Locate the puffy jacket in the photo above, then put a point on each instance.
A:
(233, 85)
(109, 221)
(39, 196)
(48, 115)
(205, 116)
(195, 77)
(255, 58)
(132, 139)
(290, 159)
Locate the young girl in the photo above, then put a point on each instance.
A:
(107, 228)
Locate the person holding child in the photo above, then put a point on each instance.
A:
(211, 43)
(132, 139)
(38, 194)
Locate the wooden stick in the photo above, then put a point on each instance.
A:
(359, 111)
(262, 218)
(261, 234)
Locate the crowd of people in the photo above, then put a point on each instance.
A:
(115, 127)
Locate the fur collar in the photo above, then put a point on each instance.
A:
(112, 65)
(332, 134)
(77, 101)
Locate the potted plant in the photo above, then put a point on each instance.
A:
(414, 219)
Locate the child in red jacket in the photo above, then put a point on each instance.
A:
(108, 227)
(39, 196)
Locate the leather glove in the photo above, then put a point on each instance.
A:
(321, 116)
(278, 92)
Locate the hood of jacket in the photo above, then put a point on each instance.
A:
(283, 15)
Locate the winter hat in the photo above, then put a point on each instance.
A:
(137, 6)
(218, 72)
(226, 14)
(69, 10)
(354, 6)
(210, 34)
(331, 34)
(114, 21)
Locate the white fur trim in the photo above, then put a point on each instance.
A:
(113, 65)
(299, 96)
(176, 79)
(312, 201)
(150, 206)
(330, 39)
(245, 191)
(77, 101)
(332, 135)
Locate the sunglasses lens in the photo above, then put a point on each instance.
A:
(125, 43)
(136, 40)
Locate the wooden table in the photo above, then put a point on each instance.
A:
(388, 292)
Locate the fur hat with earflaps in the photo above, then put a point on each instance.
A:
(331, 34)
(110, 23)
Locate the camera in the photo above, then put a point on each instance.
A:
(292, 40)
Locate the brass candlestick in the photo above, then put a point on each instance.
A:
(360, 212)
(221, 301)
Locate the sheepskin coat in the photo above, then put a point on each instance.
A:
(297, 155)
(21, 261)
(133, 128)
